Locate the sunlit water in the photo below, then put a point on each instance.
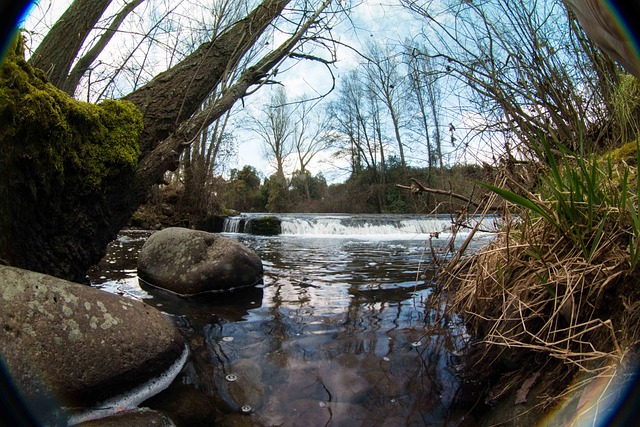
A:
(340, 333)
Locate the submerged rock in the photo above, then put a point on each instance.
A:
(80, 346)
(242, 388)
(132, 418)
(190, 262)
(185, 405)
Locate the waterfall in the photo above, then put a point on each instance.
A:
(349, 225)
(364, 225)
(234, 224)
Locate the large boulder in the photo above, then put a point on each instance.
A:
(81, 346)
(191, 262)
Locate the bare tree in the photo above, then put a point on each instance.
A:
(358, 104)
(526, 78)
(384, 81)
(275, 127)
(344, 113)
(425, 95)
(311, 136)
(358, 119)
(197, 172)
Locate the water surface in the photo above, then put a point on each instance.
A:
(341, 332)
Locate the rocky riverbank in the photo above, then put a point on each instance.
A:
(75, 353)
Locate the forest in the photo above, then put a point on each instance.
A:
(120, 112)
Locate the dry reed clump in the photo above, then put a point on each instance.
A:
(532, 289)
(535, 294)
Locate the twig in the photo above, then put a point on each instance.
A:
(417, 187)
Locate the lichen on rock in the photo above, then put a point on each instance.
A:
(78, 346)
(191, 262)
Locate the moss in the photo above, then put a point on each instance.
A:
(627, 153)
(62, 141)
(264, 226)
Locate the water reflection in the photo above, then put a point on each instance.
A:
(339, 334)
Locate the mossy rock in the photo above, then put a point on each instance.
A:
(62, 140)
(210, 223)
(264, 226)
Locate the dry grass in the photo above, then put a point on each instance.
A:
(533, 293)
(532, 289)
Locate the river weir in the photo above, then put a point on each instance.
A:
(340, 332)
(374, 226)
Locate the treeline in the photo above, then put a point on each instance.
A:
(490, 88)
(245, 191)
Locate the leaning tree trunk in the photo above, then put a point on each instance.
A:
(174, 96)
(49, 226)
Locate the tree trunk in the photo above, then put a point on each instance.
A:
(62, 233)
(59, 48)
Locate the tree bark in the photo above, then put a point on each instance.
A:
(59, 48)
(62, 233)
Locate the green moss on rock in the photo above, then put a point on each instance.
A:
(62, 140)
(264, 226)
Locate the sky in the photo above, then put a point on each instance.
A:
(370, 20)
(383, 20)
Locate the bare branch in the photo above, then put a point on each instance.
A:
(417, 187)
(83, 64)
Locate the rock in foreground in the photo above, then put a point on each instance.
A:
(190, 262)
(132, 418)
(79, 345)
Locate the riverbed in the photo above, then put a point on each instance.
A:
(342, 331)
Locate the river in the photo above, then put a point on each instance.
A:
(340, 332)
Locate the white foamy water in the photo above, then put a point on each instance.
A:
(358, 226)
(132, 398)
